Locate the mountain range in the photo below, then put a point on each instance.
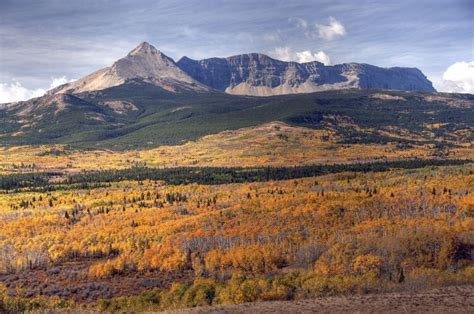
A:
(252, 74)
(259, 75)
(146, 99)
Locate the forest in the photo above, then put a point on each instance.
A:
(145, 240)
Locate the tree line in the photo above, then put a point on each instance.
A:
(212, 175)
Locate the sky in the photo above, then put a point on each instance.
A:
(46, 43)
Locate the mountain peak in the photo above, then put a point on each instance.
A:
(144, 63)
(144, 48)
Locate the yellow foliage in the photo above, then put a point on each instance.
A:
(346, 227)
(368, 265)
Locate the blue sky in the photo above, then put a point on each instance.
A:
(44, 43)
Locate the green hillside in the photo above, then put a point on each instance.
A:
(161, 117)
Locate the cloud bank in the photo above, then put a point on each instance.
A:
(287, 54)
(15, 91)
(459, 78)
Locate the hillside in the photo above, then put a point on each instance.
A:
(138, 114)
(271, 144)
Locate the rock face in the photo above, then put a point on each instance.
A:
(144, 63)
(259, 75)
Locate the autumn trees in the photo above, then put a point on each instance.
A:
(344, 232)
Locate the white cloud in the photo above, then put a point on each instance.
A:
(332, 30)
(59, 81)
(308, 56)
(459, 78)
(282, 53)
(287, 54)
(16, 92)
(11, 92)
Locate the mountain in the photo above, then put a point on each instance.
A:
(259, 75)
(248, 74)
(146, 99)
(144, 63)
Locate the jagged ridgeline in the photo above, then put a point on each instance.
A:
(146, 99)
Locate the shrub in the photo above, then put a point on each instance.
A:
(370, 265)
(255, 258)
(122, 264)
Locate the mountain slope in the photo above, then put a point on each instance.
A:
(144, 63)
(259, 75)
(137, 114)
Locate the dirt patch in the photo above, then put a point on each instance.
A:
(443, 300)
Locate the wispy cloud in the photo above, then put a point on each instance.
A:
(332, 30)
(299, 22)
(303, 26)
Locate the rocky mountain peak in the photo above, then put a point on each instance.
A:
(144, 63)
(144, 48)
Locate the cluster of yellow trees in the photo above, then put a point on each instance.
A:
(382, 226)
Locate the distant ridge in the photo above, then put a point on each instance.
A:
(259, 75)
